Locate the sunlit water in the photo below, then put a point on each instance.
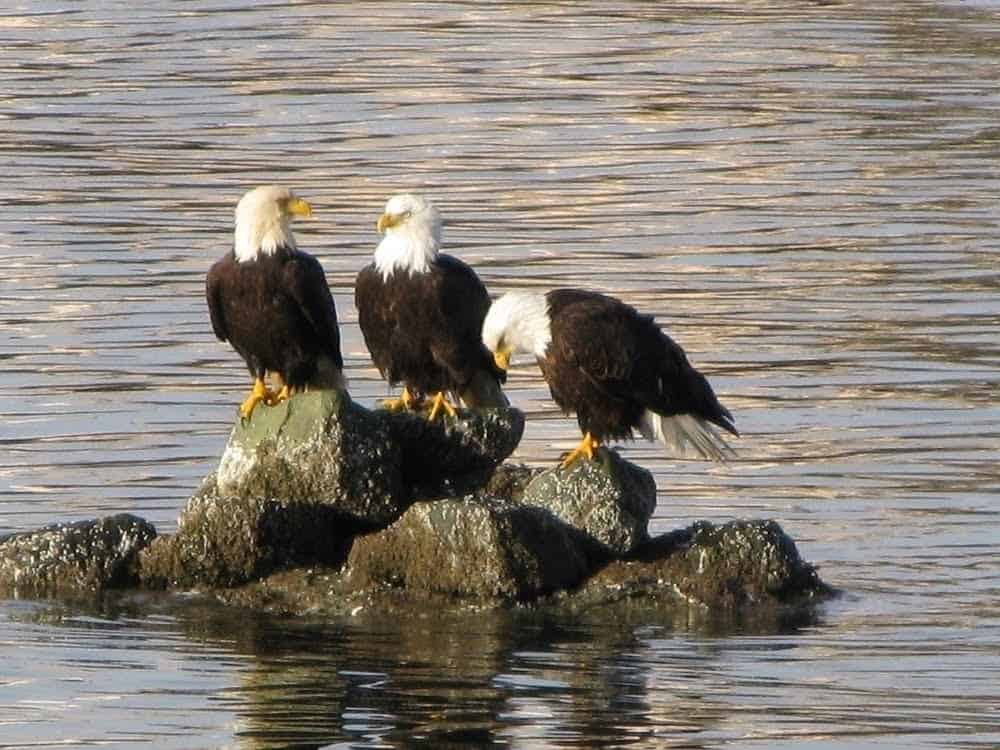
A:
(805, 194)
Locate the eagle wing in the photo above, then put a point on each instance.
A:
(594, 336)
(213, 295)
(375, 316)
(305, 282)
(463, 303)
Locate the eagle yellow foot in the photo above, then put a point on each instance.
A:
(587, 448)
(283, 395)
(259, 393)
(438, 404)
(405, 402)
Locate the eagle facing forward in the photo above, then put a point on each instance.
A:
(421, 314)
(271, 302)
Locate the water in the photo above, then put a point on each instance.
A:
(805, 194)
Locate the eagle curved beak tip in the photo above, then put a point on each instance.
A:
(300, 207)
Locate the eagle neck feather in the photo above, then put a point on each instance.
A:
(406, 252)
(253, 239)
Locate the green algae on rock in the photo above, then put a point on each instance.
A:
(318, 447)
(74, 557)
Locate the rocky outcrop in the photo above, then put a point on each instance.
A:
(87, 556)
(476, 548)
(318, 447)
(227, 540)
(298, 481)
(737, 564)
(321, 506)
(610, 500)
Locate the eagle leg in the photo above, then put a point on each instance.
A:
(260, 392)
(587, 447)
(440, 403)
(405, 401)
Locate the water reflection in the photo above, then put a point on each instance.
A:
(617, 675)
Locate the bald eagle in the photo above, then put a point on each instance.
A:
(613, 367)
(421, 314)
(271, 302)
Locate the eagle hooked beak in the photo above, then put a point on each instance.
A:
(299, 207)
(388, 221)
(502, 359)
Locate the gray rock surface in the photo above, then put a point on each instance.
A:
(321, 447)
(732, 565)
(317, 447)
(454, 456)
(478, 548)
(225, 540)
(299, 480)
(87, 556)
(611, 500)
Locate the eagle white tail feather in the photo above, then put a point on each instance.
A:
(682, 430)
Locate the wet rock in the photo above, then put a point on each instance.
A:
(321, 447)
(226, 540)
(476, 548)
(317, 447)
(299, 480)
(75, 557)
(611, 499)
(733, 565)
(451, 457)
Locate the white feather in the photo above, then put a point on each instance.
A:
(681, 431)
(519, 322)
(412, 244)
(261, 224)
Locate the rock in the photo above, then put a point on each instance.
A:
(317, 447)
(299, 480)
(509, 481)
(478, 548)
(225, 540)
(87, 556)
(737, 564)
(453, 456)
(611, 500)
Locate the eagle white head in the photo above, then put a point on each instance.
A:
(517, 322)
(412, 228)
(263, 221)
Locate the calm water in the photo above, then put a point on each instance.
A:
(806, 194)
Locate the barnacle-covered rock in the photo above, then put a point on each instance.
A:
(74, 557)
(610, 499)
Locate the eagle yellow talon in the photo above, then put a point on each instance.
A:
(405, 402)
(438, 404)
(587, 448)
(259, 393)
(283, 395)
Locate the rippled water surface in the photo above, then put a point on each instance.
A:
(805, 194)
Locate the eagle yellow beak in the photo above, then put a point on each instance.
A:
(502, 359)
(299, 207)
(388, 221)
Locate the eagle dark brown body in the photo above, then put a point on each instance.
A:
(610, 364)
(423, 328)
(278, 313)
